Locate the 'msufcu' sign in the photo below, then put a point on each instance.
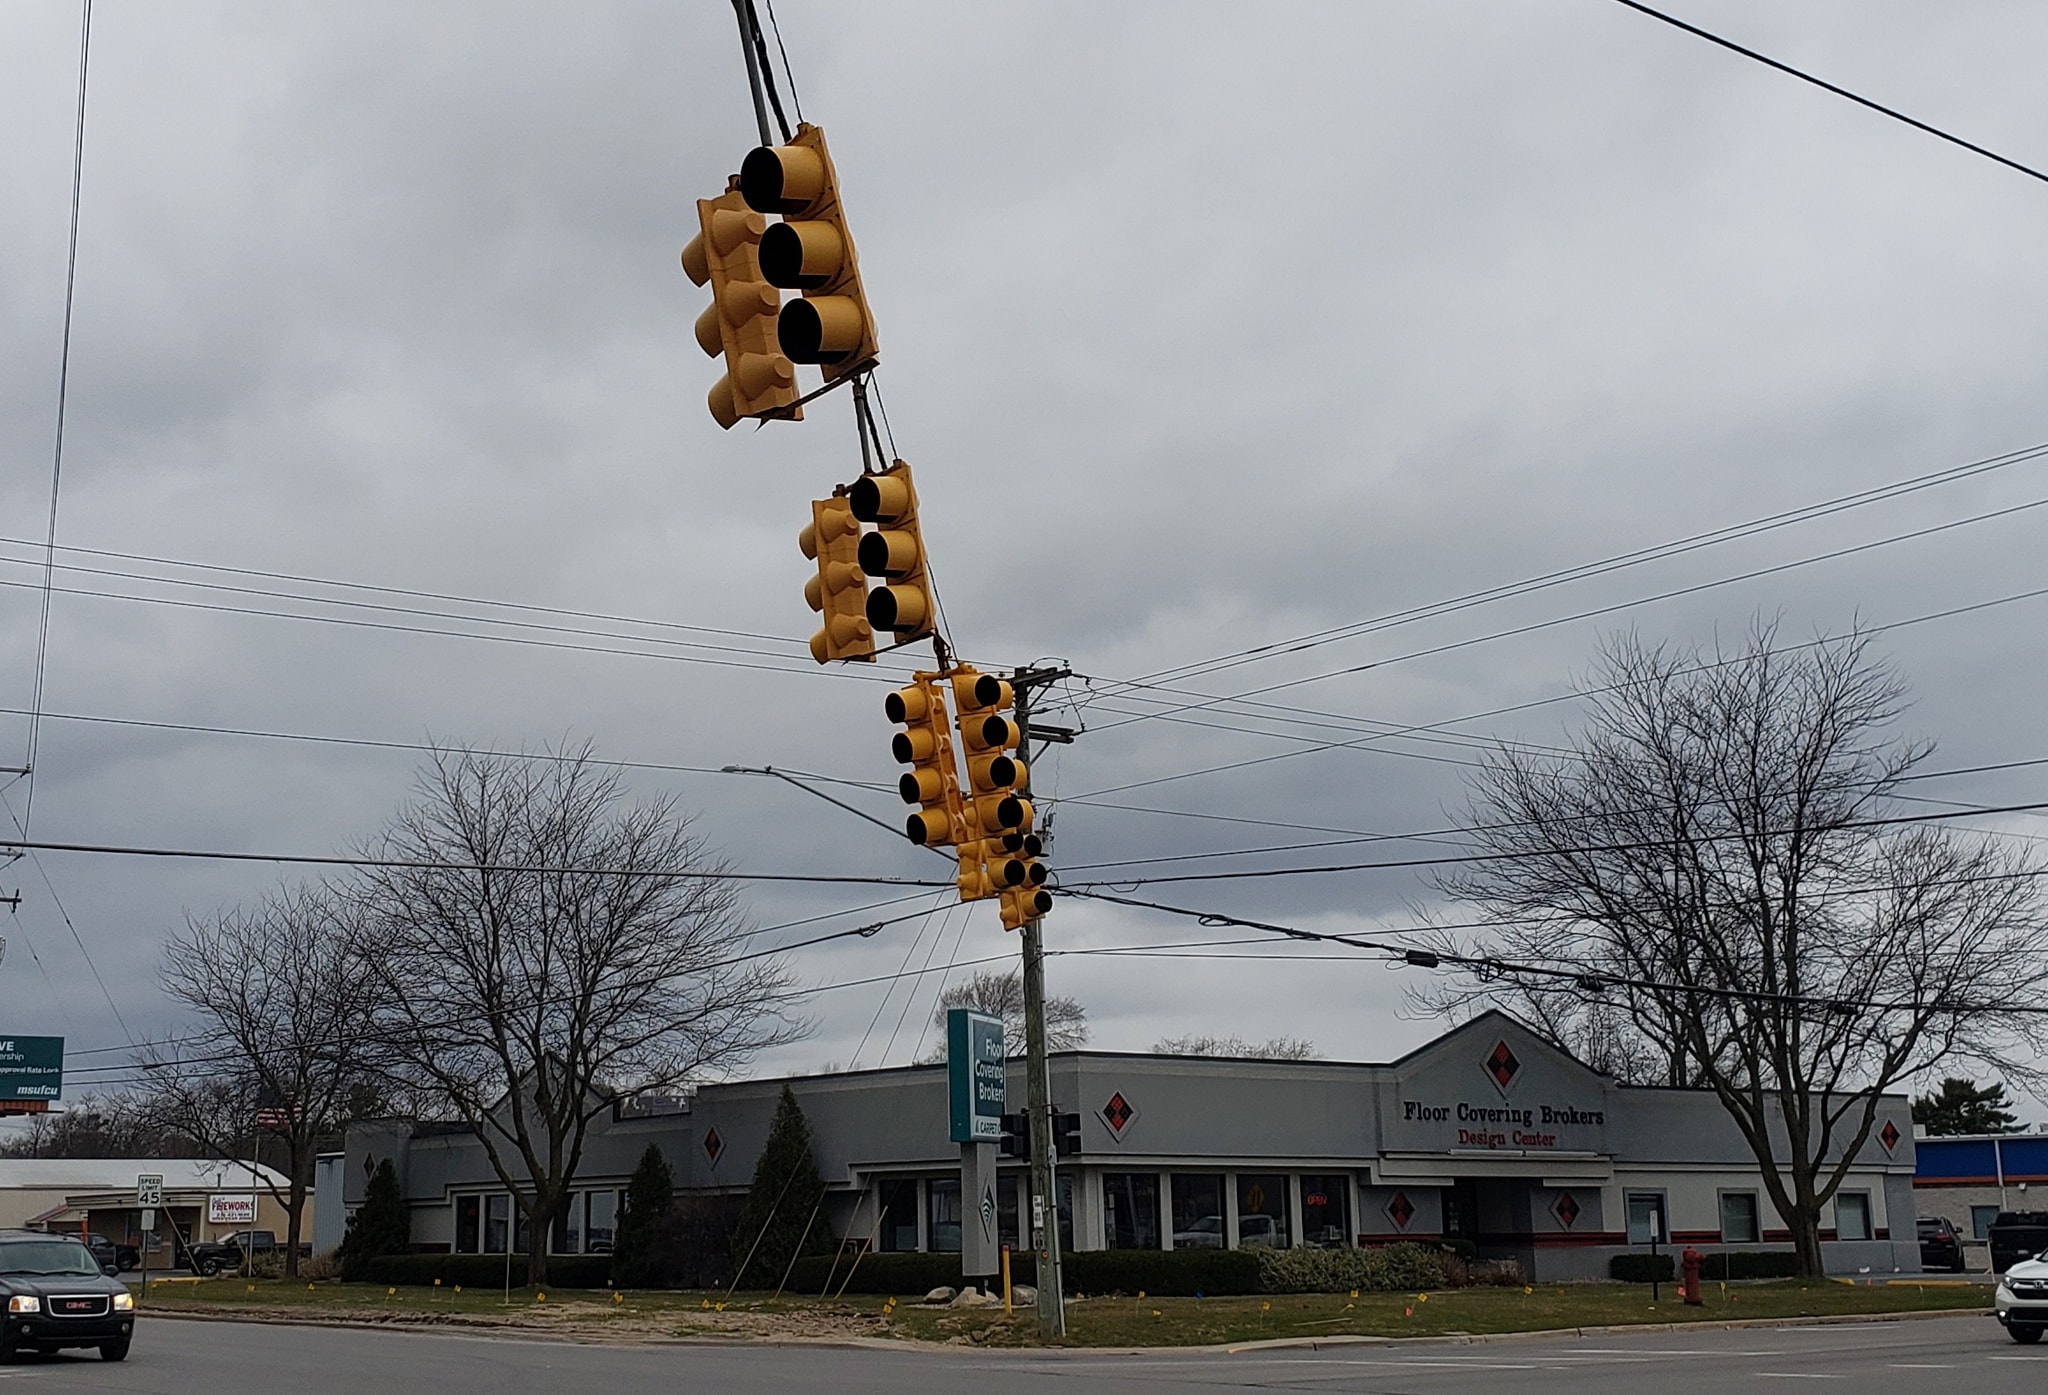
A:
(31, 1068)
(975, 1075)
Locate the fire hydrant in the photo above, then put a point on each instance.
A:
(1689, 1281)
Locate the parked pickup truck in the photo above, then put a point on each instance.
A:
(211, 1257)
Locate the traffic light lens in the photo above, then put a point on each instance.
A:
(821, 329)
(781, 178)
(801, 256)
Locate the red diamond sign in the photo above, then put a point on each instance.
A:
(1118, 1114)
(1400, 1210)
(713, 1144)
(1566, 1210)
(1502, 1065)
(1889, 1135)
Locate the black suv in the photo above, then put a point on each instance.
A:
(1940, 1246)
(122, 1257)
(2017, 1235)
(59, 1296)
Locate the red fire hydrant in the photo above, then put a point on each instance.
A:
(1689, 1282)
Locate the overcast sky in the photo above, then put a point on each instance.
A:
(1205, 327)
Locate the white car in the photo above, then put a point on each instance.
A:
(2021, 1302)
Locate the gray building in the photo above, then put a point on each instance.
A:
(1490, 1133)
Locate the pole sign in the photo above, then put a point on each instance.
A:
(31, 1068)
(231, 1208)
(975, 1075)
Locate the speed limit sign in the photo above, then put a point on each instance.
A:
(149, 1189)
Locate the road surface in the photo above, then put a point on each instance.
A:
(172, 1357)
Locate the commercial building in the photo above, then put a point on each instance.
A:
(203, 1199)
(1970, 1179)
(1490, 1133)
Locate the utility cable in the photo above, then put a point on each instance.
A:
(1827, 86)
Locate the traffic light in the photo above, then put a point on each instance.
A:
(1016, 1139)
(926, 746)
(740, 322)
(1066, 1135)
(1022, 904)
(894, 552)
(810, 251)
(839, 591)
(998, 816)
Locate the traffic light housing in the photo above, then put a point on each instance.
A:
(926, 745)
(1016, 1138)
(1066, 1135)
(839, 592)
(993, 859)
(894, 553)
(740, 323)
(1020, 905)
(810, 251)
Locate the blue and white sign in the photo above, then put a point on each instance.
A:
(975, 1075)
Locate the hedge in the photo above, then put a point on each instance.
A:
(1169, 1273)
(1638, 1269)
(1388, 1269)
(488, 1271)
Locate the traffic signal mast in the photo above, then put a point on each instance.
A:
(740, 323)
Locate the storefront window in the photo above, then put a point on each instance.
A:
(1852, 1215)
(568, 1234)
(1063, 1188)
(1981, 1218)
(1130, 1210)
(497, 1215)
(522, 1228)
(899, 1215)
(1647, 1218)
(468, 1224)
(1738, 1218)
(1262, 1210)
(1198, 1210)
(945, 1217)
(1326, 1210)
(604, 1220)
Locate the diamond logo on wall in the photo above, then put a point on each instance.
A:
(1889, 1135)
(1400, 1210)
(713, 1144)
(1566, 1210)
(1502, 1065)
(1118, 1114)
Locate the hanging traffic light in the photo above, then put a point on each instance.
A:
(810, 251)
(894, 552)
(926, 746)
(1022, 904)
(839, 591)
(740, 323)
(987, 735)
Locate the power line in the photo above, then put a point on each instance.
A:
(63, 403)
(1827, 86)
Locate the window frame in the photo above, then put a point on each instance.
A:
(1869, 1220)
(1756, 1218)
(1661, 1203)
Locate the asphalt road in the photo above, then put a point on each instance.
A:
(208, 1358)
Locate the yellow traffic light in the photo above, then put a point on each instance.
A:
(1024, 903)
(810, 251)
(926, 746)
(740, 322)
(839, 591)
(894, 552)
(999, 853)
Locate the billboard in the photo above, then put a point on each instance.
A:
(231, 1208)
(975, 1076)
(31, 1068)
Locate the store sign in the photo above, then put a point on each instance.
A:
(976, 1079)
(31, 1068)
(231, 1208)
(1499, 1093)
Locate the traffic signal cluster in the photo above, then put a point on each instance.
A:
(892, 552)
(1016, 1136)
(749, 261)
(988, 820)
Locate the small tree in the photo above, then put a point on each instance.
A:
(382, 1225)
(650, 1199)
(1275, 1049)
(1963, 1106)
(780, 1220)
(1000, 993)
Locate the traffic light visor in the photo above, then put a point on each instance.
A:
(889, 554)
(908, 705)
(880, 498)
(802, 256)
(781, 178)
(821, 329)
(897, 608)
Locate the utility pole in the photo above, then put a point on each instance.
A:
(1052, 1313)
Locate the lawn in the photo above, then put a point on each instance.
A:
(1123, 1321)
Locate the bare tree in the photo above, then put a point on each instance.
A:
(1281, 1048)
(108, 1125)
(1000, 993)
(544, 944)
(1714, 874)
(285, 1006)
